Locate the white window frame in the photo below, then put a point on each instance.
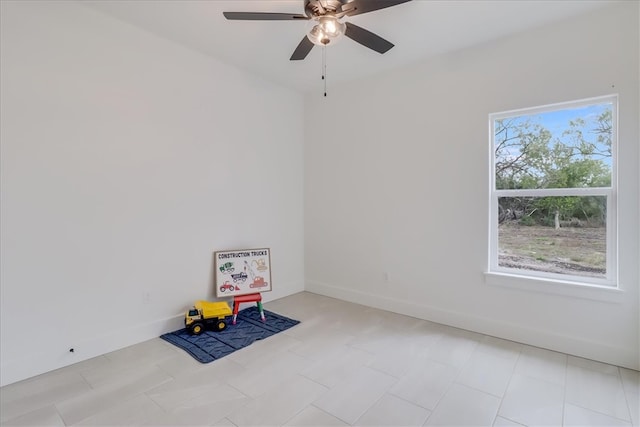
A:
(610, 281)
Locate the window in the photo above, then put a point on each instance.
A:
(553, 192)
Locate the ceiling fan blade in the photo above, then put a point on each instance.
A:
(367, 38)
(357, 7)
(263, 16)
(302, 50)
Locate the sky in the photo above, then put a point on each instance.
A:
(557, 122)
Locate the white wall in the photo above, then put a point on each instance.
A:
(397, 183)
(126, 161)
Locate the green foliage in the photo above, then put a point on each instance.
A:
(529, 156)
(527, 220)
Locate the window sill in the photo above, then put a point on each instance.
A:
(555, 287)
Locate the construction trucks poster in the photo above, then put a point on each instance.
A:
(242, 272)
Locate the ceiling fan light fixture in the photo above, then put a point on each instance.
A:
(325, 26)
(325, 30)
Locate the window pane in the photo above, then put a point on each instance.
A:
(561, 235)
(567, 148)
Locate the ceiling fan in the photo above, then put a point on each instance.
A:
(327, 26)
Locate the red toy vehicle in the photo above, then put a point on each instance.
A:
(227, 287)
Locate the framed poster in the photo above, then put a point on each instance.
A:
(246, 271)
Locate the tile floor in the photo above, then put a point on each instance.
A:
(345, 364)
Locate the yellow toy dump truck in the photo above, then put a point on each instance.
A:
(207, 314)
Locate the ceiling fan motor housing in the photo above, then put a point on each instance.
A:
(316, 8)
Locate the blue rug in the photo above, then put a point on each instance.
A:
(211, 345)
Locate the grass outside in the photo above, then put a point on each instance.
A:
(570, 250)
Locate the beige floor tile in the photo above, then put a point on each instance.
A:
(502, 348)
(87, 404)
(630, 380)
(463, 406)
(488, 373)
(423, 336)
(314, 417)
(454, 348)
(125, 364)
(633, 400)
(532, 401)
(225, 422)
(308, 328)
(320, 344)
(425, 383)
(35, 393)
(150, 351)
(344, 364)
(257, 379)
(219, 370)
(352, 397)
(305, 306)
(394, 412)
(401, 322)
(394, 362)
(277, 407)
(189, 386)
(182, 394)
(47, 416)
(503, 422)
(255, 353)
(596, 391)
(580, 417)
(592, 365)
(359, 321)
(180, 364)
(116, 374)
(403, 351)
(377, 340)
(542, 364)
(84, 365)
(135, 411)
(210, 406)
(334, 367)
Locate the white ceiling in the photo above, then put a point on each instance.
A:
(420, 29)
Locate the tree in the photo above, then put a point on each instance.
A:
(517, 153)
(529, 156)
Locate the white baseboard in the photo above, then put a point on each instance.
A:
(51, 359)
(540, 338)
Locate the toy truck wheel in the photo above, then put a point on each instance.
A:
(197, 328)
(221, 325)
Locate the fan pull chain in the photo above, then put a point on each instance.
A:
(324, 68)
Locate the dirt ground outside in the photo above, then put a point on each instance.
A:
(579, 251)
